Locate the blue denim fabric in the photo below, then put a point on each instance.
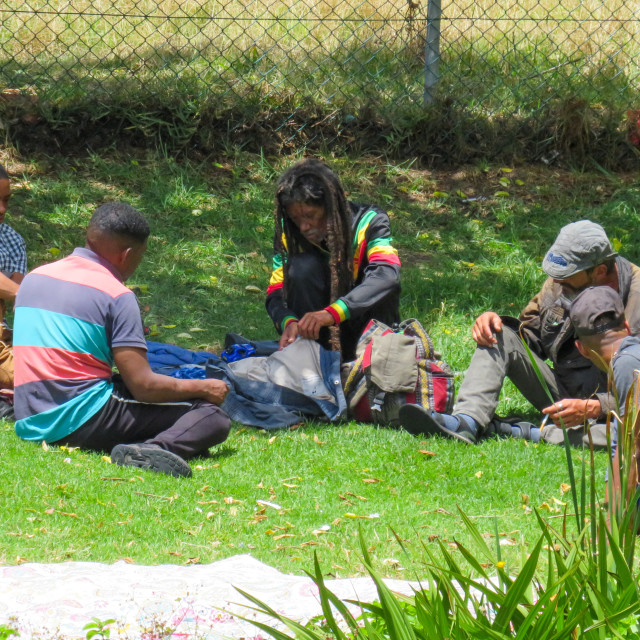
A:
(165, 358)
(270, 406)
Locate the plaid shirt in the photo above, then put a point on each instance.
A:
(13, 252)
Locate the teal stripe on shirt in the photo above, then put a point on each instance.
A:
(41, 328)
(59, 422)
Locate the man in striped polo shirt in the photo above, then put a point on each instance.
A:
(74, 320)
(334, 267)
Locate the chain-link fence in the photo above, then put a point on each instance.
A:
(347, 58)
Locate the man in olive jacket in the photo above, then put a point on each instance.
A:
(581, 256)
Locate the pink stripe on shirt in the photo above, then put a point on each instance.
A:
(34, 364)
(86, 272)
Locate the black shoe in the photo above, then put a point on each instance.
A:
(503, 427)
(419, 421)
(151, 457)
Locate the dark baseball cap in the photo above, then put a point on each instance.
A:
(593, 303)
(580, 245)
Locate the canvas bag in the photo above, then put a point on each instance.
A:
(394, 367)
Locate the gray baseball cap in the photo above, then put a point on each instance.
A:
(593, 303)
(580, 245)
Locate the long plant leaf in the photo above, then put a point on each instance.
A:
(567, 446)
(301, 631)
(514, 596)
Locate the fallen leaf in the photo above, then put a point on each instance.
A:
(272, 440)
(45, 446)
(252, 288)
(427, 453)
(107, 459)
(195, 560)
(49, 511)
(370, 480)
(564, 487)
(186, 336)
(169, 326)
(284, 535)
(196, 329)
(257, 519)
(54, 251)
(355, 496)
(289, 486)
(317, 440)
(478, 474)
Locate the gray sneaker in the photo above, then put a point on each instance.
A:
(151, 457)
(419, 421)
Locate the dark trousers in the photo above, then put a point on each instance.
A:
(185, 428)
(309, 289)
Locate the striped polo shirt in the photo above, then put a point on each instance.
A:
(69, 316)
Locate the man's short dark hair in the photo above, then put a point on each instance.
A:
(3, 173)
(120, 219)
(610, 263)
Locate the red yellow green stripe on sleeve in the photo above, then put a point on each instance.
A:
(339, 311)
(277, 275)
(382, 252)
(287, 321)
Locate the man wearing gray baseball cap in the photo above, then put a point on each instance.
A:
(581, 256)
(603, 336)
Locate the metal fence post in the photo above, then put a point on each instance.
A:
(432, 50)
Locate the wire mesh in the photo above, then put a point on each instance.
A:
(505, 57)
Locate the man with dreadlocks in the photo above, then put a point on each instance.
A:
(334, 268)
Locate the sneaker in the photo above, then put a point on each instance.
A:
(151, 457)
(419, 421)
(503, 427)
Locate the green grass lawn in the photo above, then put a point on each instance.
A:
(211, 239)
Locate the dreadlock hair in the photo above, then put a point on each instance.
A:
(312, 182)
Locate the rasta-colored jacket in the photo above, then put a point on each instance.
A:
(376, 269)
(548, 331)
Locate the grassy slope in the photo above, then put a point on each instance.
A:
(211, 239)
